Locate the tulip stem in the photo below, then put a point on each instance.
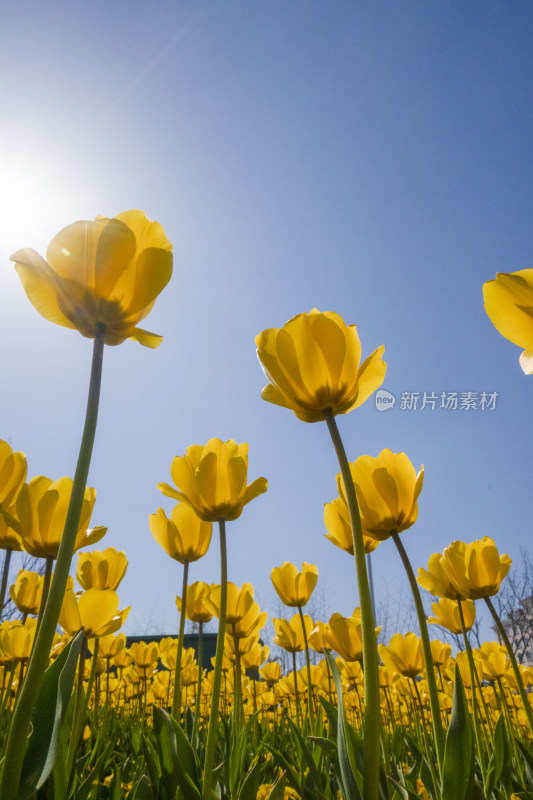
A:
(371, 734)
(198, 704)
(308, 667)
(514, 664)
(215, 696)
(176, 703)
(480, 741)
(5, 574)
(16, 743)
(47, 579)
(434, 704)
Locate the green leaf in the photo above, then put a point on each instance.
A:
(252, 781)
(458, 768)
(405, 793)
(499, 756)
(350, 776)
(142, 790)
(326, 744)
(47, 717)
(173, 772)
(151, 759)
(278, 790)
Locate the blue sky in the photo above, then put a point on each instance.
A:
(368, 158)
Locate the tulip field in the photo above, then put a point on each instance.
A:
(84, 716)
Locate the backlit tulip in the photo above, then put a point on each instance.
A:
(16, 640)
(435, 579)
(196, 610)
(249, 625)
(255, 656)
(313, 363)
(345, 637)
(294, 588)
(387, 489)
(475, 569)
(403, 654)
(9, 538)
(239, 601)
(101, 570)
(185, 537)
(105, 273)
(27, 591)
(111, 645)
(41, 511)
(337, 522)
(289, 633)
(509, 304)
(144, 654)
(211, 479)
(13, 470)
(447, 614)
(270, 672)
(96, 610)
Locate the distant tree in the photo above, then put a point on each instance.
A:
(514, 604)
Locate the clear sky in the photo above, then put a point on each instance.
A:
(373, 159)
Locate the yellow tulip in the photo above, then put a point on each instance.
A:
(27, 591)
(440, 652)
(41, 511)
(344, 636)
(509, 305)
(403, 654)
(289, 633)
(105, 273)
(475, 569)
(16, 640)
(13, 470)
(387, 489)
(185, 537)
(144, 654)
(435, 579)
(111, 645)
(318, 638)
(9, 538)
(313, 363)
(101, 570)
(337, 522)
(447, 614)
(255, 656)
(294, 588)
(211, 479)
(196, 610)
(239, 601)
(96, 610)
(250, 625)
(270, 672)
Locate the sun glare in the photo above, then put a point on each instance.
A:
(34, 203)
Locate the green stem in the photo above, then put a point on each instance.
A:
(296, 692)
(78, 703)
(5, 574)
(237, 694)
(480, 741)
(514, 664)
(434, 704)
(370, 654)
(215, 697)
(429, 754)
(199, 687)
(16, 743)
(47, 579)
(176, 703)
(308, 666)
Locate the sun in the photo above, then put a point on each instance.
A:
(35, 202)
